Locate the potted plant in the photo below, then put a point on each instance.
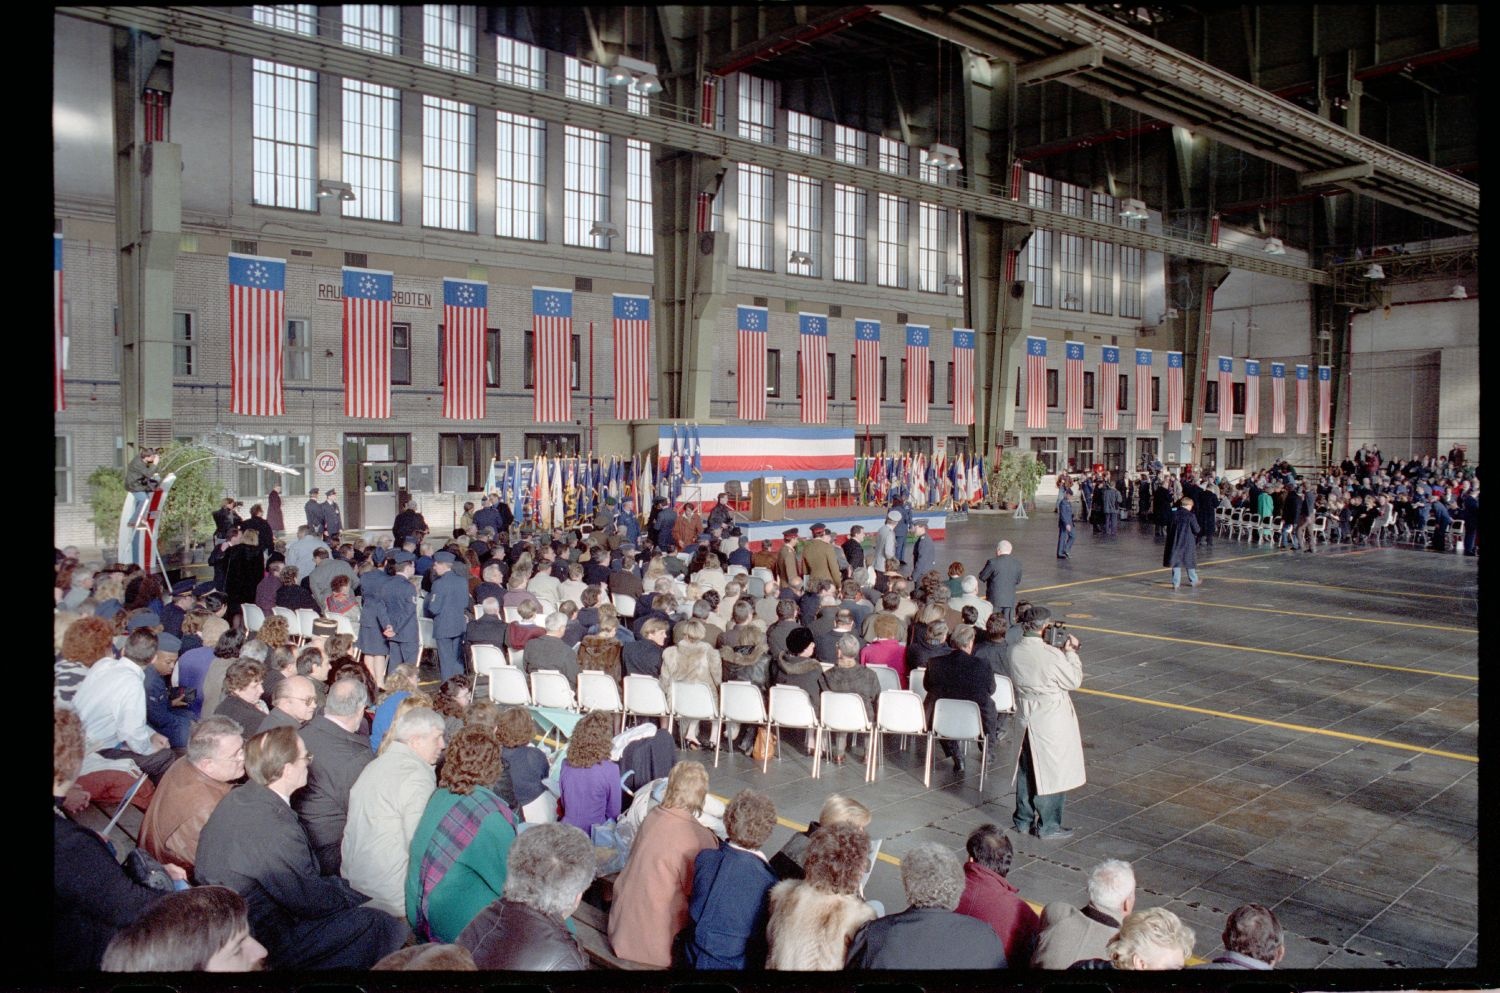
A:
(1020, 474)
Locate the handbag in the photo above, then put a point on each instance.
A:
(764, 747)
(147, 871)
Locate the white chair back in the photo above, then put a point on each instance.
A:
(486, 657)
(291, 617)
(344, 623)
(914, 681)
(692, 701)
(842, 712)
(542, 810)
(508, 686)
(597, 691)
(1004, 695)
(900, 712)
(254, 617)
(959, 720)
(551, 689)
(305, 618)
(644, 697)
(424, 630)
(889, 678)
(792, 707)
(624, 604)
(741, 701)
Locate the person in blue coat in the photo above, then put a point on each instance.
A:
(1064, 523)
(923, 553)
(902, 527)
(396, 612)
(731, 886)
(448, 606)
(1182, 543)
(626, 522)
(666, 520)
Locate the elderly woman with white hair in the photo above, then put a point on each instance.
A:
(928, 934)
(549, 867)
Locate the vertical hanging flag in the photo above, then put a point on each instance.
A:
(917, 400)
(1109, 395)
(1143, 389)
(1226, 393)
(752, 323)
(632, 327)
(1174, 391)
(367, 342)
(813, 329)
(1073, 385)
(257, 313)
(59, 343)
(1278, 398)
(963, 376)
(552, 353)
(465, 315)
(1252, 397)
(1325, 399)
(1036, 382)
(1302, 401)
(866, 372)
(695, 452)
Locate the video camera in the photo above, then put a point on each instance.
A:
(1057, 635)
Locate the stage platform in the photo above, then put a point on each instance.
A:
(837, 519)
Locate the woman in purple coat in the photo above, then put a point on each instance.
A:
(273, 509)
(590, 781)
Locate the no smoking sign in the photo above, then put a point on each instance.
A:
(328, 462)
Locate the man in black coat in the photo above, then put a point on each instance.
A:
(313, 511)
(928, 934)
(342, 754)
(1181, 549)
(1206, 506)
(1001, 575)
(959, 675)
(408, 523)
(1161, 506)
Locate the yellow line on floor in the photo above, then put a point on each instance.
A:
(1294, 613)
(1264, 722)
(1351, 589)
(1143, 572)
(1274, 651)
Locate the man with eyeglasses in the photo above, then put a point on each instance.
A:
(294, 704)
(191, 789)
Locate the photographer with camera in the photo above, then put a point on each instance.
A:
(1043, 668)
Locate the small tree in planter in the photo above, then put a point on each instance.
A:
(1020, 475)
(187, 518)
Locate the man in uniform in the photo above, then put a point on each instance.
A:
(923, 552)
(448, 606)
(788, 561)
(1111, 505)
(818, 556)
(901, 526)
(333, 520)
(313, 511)
(1064, 523)
(396, 613)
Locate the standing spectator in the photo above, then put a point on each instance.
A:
(312, 511)
(244, 567)
(258, 524)
(333, 519)
(1181, 550)
(813, 919)
(902, 526)
(548, 869)
(1002, 575)
(273, 509)
(589, 781)
(1050, 761)
(448, 606)
(927, 934)
(731, 889)
(990, 897)
(923, 551)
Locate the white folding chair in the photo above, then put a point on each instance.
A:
(843, 713)
(897, 712)
(508, 686)
(597, 691)
(305, 618)
(486, 657)
(624, 604)
(1455, 538)
(511, 615)
(548, 606)
(957, 720)
(914, 682)
(254, 617)
(694, 702)
(644, 698)
(790, 707)
(292, 623)
(889, 678)
(1004, 695)
(542, 810)
(740, 702)
(478, 611)
(344, 623)
(550, 689)
(424, 633)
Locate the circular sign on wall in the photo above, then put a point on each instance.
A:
(328, 462)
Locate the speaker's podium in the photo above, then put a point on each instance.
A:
(768, 498)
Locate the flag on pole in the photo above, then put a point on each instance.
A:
(368, 306)
(558, 515)
(1109, 397)
(465, 315)
(552, 354)
(1325, 399)
(752, 323)
(695, 451)
(632, 328)
(1073, 385)
(1226, 393)
(59, 342)
(813, 356)
(917, 400)
(1302, 401)
(1252, 397)
(542, 496)
(1036, 382)
(1143, 389)
(1174, 391)
(963, 376)
(866, 372)
(257, 313)
(1278, 398)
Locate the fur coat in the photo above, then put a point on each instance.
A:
(809, 930)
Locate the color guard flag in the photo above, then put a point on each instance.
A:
(1174, 391)
(632, 327)
(1226, 393)
(1302, 402)
(917, 400)
(963, 376)
(1143, 389)
(1278, 398)
(465, 315)
(59, 343)
(1325, 399)
(813, 329)
(752, 323)
(1036, 382)
(866, 372)
(1252, 397)
(257, 313)
(552, 353)
(367, 342)
(1073, 374)
(1109, 398)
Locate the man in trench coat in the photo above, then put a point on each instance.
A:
(1050, 761)
(1181, 551)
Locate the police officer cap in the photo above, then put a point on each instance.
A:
(894, 516)
(819, 529)
(789, 533)
(166, 642)
(203, 588)
(402, 556)
(183, 587)
(444, 556)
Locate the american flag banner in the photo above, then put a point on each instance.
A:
(813, 331)
(963, 376)
(367, 342)
(751, 323)
(1109, 399)
(59, 342)
(257, 313)
(917, 338)
(1302, 402)
(1143, 389)
(1278, 398)
(1036, 382)
(1252, 397)
(866, 372)
(1226, 393)
(1073, 385)
(1325, 399)
(1174, 391)
(552, 353)
(465, 315)
(632, 327)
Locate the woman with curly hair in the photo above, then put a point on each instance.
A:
(458, 854)
(813, 919)
(525, 764)
(84, 642)
(293, 595)
(275, 632)
(590, 781)
(730, 888)
(340, 600)
(452, 701)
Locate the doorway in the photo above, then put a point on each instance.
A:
(375, 477)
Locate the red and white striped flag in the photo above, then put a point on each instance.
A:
(632, 325)
(1278, 398)
(367, 342)
(1143, 389)
(257, 314)
(1325, 399)
(1073, 386)
(963, 376)
(1036, 382)
(59, 341)
(917, 400)
(1252, 397)
(552, 352)
(751, 323)
(1302, 399)
(465, 314)
(1174, 391)
(1226, 393)
(866, 372)
(1109, 397)
(813, 331)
